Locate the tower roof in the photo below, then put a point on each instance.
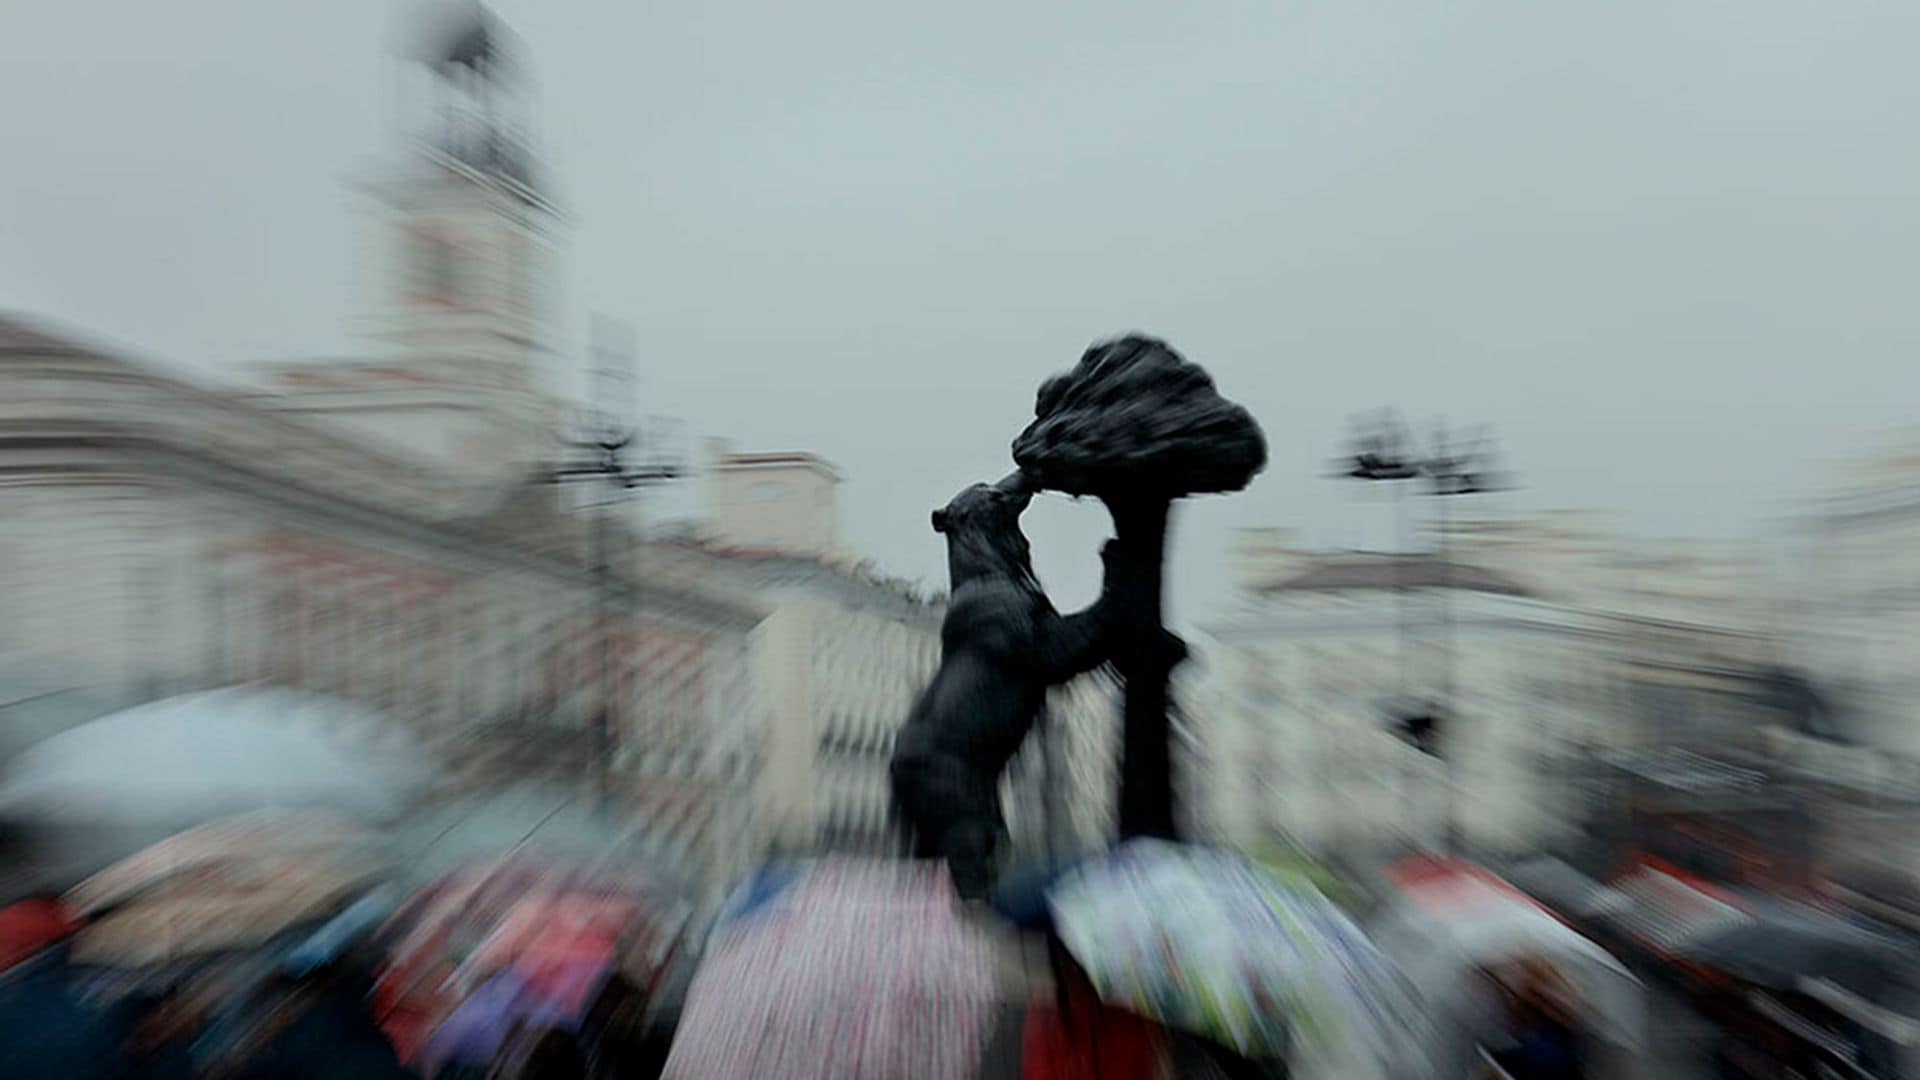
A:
(468, 36)
(479, 111)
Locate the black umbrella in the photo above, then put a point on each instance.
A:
(1785, 944)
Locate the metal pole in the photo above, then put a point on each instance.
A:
(1402, 594)
(1145, 657)
(1403, 616)
(603, 586)
(1446, 723)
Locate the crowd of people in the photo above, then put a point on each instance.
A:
(63, 1018)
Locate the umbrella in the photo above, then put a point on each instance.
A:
(477, 1031)
(1451, 917)
(548, 937)
(201, 917)
(29, 926)
(1567, 890)
(232, 884)
(760, 888)
(527, 911)
(858, 970)
(340, 935)
(1785, 944)
(38, 701)
(1076, 1035)
(1212, 943)
(1666, 911)
(95, 793)
(456, 915)
(228, 845)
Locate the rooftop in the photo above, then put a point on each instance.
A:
(778, 459)
(1398, 571)
(17, 336)
(771, 567)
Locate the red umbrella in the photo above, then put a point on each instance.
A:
(547, 937)
(1091, 1040)
(29, 926)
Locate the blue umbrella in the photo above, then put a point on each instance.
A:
(1021, 894)
(339, 934)
(757, 891)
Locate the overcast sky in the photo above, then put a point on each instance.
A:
(1669, 250)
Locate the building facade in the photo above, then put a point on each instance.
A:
(785, 502)
(1536, 646)
(1856, 618)
(160, 537)
(379, 528)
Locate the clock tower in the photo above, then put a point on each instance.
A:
(454, 263)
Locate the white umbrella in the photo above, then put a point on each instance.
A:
(1454, 917)
(38, 700)
(109, 787)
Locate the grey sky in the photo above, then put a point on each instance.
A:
(1668, 249)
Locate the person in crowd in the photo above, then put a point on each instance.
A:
(553, 1054)
(318, 1027)
(1548, 1042)
(159, 1031)
(616, 1032)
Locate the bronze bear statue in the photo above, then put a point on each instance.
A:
(1002, 647)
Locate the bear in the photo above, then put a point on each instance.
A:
(1002, 646)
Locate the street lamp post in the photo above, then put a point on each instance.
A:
(601, 457)
(1383, 451)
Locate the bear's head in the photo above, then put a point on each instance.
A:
(982, 527)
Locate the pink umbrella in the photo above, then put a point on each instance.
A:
(857, 971)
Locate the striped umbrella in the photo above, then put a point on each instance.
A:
(857, 970)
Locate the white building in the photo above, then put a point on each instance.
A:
(835, 665)
(785, 502)
(1860, 603)
(158, 537)
(373, 528)
(1538, 642)
(1855, 623)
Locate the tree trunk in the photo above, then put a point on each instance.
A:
(1145, 654)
